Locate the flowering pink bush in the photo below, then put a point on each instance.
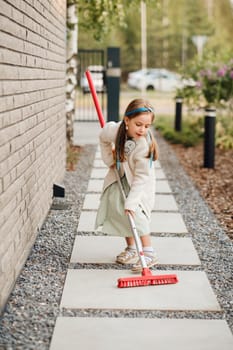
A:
(214, 87)
(215, 82)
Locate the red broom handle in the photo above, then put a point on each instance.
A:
(131, 220)
(95, 99)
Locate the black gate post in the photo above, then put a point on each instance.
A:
(113, 83)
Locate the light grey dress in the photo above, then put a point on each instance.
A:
(111, 218)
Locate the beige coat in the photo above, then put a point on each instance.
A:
(139, 172)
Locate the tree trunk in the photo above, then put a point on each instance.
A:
(71, 70)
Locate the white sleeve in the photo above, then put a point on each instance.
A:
(107, 139)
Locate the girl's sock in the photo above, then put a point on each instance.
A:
(149, 250)
(132, 247)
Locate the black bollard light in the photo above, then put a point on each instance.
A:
(178, 115)
(209, 140)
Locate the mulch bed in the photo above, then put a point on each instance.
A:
(215, 185)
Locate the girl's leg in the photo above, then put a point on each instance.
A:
(146, 241)
(150, 256)
(130, 241)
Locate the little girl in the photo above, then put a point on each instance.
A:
(130, 146)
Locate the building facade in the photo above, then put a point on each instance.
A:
(32, 125)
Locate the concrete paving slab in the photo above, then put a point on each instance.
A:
(86, 133)
(129, 334)
(98, 154)
(99, 173)
(162, 202)
(159, 173)
(165, 202)
(167, 223)
(91, 201)
(98, 163)
(97, 289)
(162, 186)
(103, 250)
(160, 222)
(96, 185)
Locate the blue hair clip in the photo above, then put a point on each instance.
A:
(118, 164)
(138, 110)
(151, 159)
(149, 140)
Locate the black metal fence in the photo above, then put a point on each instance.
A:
(94, 61)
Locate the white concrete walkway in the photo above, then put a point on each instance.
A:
(96, 289)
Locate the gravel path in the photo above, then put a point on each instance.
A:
(30, 314)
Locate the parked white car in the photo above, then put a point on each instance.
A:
(137, 76)
(154, 79)
(97, 74)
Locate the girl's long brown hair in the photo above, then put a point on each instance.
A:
(121, 137)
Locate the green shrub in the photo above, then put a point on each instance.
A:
(224, 142)
(224, 132)
(191, 134)
(193, 130)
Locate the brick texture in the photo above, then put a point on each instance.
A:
(32, 125)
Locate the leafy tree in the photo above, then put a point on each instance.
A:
(170, 27)
(101, 15)
(97, 16)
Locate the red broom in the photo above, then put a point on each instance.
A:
(146, 279)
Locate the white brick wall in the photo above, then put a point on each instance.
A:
(32, 124)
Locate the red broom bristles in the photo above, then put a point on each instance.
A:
(146, 280)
